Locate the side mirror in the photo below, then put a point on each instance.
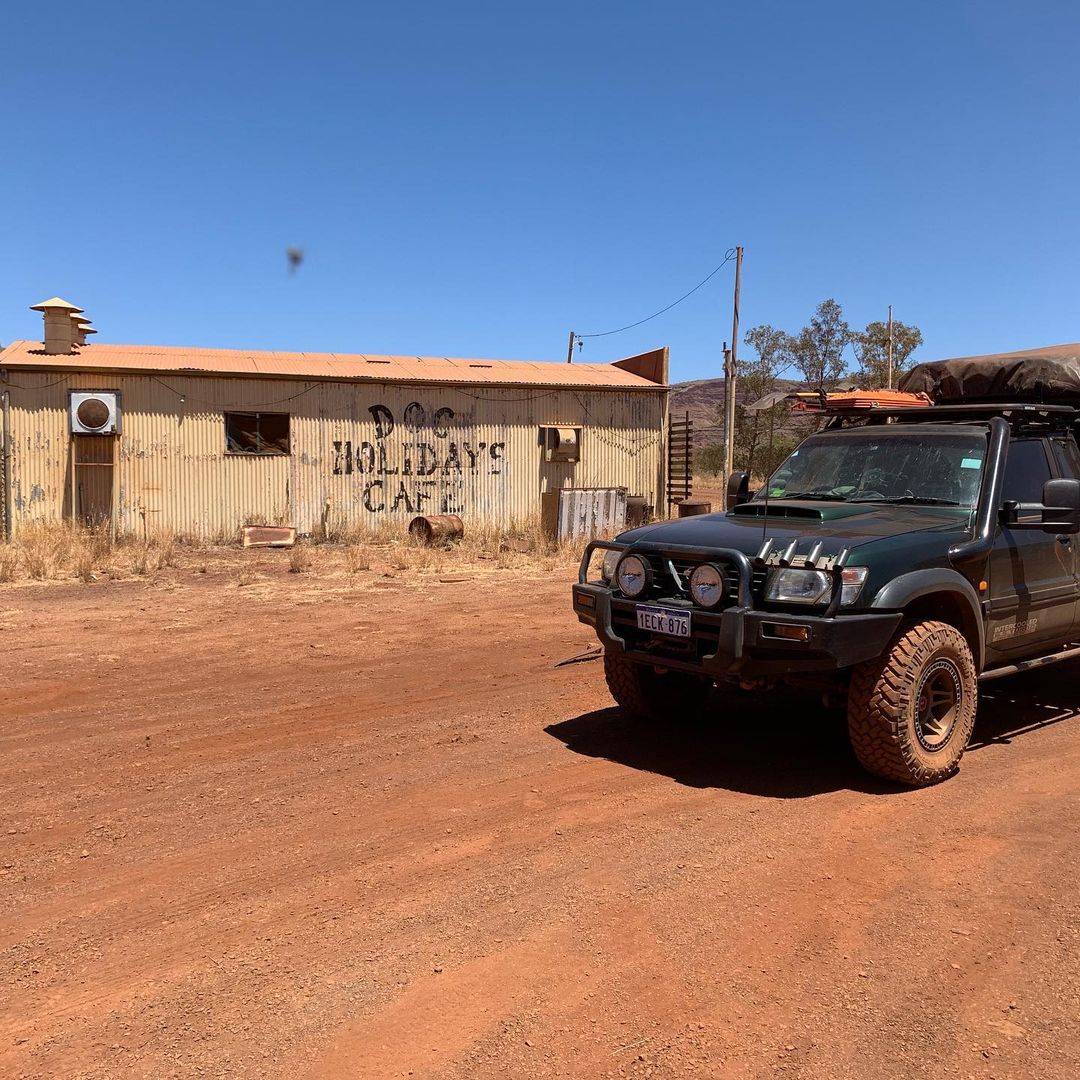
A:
(1061, 505)
(1059, 511)
(738, 489)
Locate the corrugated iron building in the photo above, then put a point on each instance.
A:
(209, 440)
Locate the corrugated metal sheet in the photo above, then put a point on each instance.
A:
(435, 369)
(590, 512)
(360, 453)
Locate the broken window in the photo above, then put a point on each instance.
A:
(256, 433)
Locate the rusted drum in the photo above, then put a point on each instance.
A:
(437, 528)
(693, 507)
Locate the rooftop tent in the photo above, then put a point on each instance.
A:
(1049, 374)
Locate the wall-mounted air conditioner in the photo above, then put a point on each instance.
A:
(561, 443)
(94, 412)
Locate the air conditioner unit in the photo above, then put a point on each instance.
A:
(94, 412)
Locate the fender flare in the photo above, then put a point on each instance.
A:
(902, 590)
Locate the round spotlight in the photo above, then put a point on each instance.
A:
(707, 585)
(632, 576)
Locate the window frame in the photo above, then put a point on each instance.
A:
(1048, 457)
(257, 416)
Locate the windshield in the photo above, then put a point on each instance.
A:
(895, 466)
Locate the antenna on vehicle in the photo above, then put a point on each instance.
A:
(765, 515)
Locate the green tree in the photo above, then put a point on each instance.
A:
(709, 460)
(817, 350)
(756, 429)
(872, 347)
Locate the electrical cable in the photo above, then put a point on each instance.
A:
(44, 386)
(728, 256)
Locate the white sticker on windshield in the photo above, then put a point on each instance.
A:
(971, 463)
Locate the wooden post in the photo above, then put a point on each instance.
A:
(730, 374)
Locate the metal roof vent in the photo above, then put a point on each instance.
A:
(80, 326)
(60, 336)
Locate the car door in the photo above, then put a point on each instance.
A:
(1067, 459)
(1033, 590)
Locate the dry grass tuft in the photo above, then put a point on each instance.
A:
(357, 558)
(9, 563)
(141, 558)
(299, 559)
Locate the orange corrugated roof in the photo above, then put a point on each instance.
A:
(426, 369)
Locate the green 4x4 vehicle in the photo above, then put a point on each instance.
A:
(895, 559)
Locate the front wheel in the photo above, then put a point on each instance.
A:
(642, 691)
(911, 711)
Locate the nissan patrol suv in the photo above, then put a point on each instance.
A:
(899, 556)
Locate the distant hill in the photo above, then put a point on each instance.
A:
(703, 399)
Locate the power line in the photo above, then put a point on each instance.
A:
(728, 256)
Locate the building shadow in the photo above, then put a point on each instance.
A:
(788, 746)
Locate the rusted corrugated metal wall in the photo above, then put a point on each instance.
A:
(360, 452)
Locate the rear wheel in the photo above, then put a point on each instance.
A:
(642, 691)
(911, 711)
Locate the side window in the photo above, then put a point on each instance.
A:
(1067, 456)
(1026, 470)
(256, 433)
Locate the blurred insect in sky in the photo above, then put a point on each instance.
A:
(295, 256)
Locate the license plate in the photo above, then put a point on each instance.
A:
(661, 620)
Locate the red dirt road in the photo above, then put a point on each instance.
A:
(329, 829)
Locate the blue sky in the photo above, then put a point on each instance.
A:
(479, 179)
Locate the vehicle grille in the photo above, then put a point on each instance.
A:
(664, 584)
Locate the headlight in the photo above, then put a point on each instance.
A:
(631, 575)
(794, 586)
(611, 560)
(707, 585)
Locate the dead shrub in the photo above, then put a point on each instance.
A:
(299, 559)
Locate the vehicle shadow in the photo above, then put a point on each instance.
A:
(784, 746)
(788, 746)
(1027, 703)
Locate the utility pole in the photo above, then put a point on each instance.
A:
(570, 349)
(730, 371)
(889, 384)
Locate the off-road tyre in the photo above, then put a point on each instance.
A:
(643, 692)
(899, 722)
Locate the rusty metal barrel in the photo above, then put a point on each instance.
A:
(693, 507)
(437, 528)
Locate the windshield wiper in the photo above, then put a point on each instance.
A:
(915, 500)
(810, 495)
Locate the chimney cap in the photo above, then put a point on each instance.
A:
(81, 319)
(56, 304)
(86, 330)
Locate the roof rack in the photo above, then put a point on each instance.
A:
(973, 409)
(1020, 413)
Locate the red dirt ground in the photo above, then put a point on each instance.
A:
(365, 829)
